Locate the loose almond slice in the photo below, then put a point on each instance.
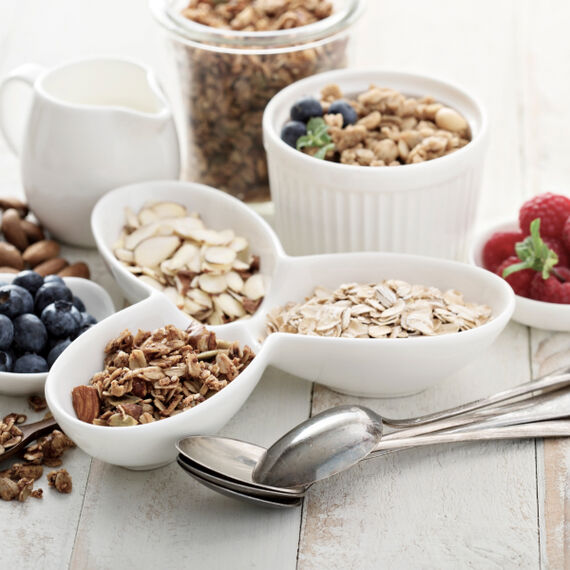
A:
(172, 294)
(228, 305)
(184, 255)
(184, 227)
(240, 265)
(152, 251)
(200, 297)
(125, 255)
(152, 282)
(220, 255)
(144, 232)
(169, 210)
(212, 284)
(191, 307)
(235, 282)
(147, 216)
(254, 288)
(239, 243)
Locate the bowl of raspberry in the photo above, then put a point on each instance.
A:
(533, 255)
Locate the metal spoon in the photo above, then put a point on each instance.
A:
(553, 428)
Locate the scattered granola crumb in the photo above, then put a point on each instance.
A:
(61, 480)
(37, 403)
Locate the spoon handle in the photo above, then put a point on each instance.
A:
(554, 381)
(553, 428)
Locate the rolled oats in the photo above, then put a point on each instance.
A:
(392, 129)
(150, 376)
(225, 91)
(210, 275)
(390, 309)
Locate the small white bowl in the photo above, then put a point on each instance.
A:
(364, 367)
(537, 314)
(97, 303)
(427, 208)
(218, 210)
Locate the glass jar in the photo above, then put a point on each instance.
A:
(225, 79)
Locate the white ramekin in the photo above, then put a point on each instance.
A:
(426, 208)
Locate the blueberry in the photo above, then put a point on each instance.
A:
(6, 332)
(50, 292)
(54, 279)
(30, 364)
(87, 319)
(61, 319)
(306, 108)
(29, 280)
(6, 361)
(57, 350)
(291, 131)
(78, 304)
(349, 115)
(30, 334)
(15, 300)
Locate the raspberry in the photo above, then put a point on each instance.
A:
(549, 290)
(552, 209)
(566, 234)
(519, 281)
(563, 273)
(498, 247)
(558, 248)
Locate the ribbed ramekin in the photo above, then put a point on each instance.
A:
(426, 208)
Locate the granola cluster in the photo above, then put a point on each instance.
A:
(150, 376)
(17, 482)
(390, 309)
(392, 129)
(225, 92)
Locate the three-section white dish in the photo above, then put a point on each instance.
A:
(363, 367)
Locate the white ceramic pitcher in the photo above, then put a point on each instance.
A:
(94, 124)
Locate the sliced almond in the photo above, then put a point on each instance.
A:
(147, 216)
(235, 282)
(191, 307)
(169, 210)
(211, 237)
(150, 252)
(185, 226)
(216, 318)
(200, 297)
(228, 305)
(172, 294)
(212, 284)
(239, 243)
(144, 232)
(125, 255)
(254, 288)
(132, 220)
(240, 265)
(220, 255)
(152, 282)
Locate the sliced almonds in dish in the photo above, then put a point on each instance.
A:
(209, 274)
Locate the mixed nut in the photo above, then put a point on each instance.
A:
(379, 127)
(225, 90)
(157, 374)
(26, 246)
(390, 309)
(208, 274)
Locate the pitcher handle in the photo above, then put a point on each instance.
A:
(26, 73)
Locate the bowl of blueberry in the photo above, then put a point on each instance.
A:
(363, 160)
(39, 318)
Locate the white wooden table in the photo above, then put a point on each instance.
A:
(497, 505)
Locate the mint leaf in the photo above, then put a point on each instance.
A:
(317, 136)
(534, 254)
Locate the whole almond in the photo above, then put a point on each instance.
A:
(13, 231)
(10, 256)
(85, 400)
(41, 251)
(6, 269)
(33, 231)
(16, 203)
(78, 269)
(51, 266)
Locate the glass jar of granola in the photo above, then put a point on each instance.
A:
(232, 56)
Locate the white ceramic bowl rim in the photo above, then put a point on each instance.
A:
(272, 130)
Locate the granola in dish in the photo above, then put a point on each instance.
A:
(210, 275)
(225, 91)
(390, 309)
(378, 127)
(149, 376)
